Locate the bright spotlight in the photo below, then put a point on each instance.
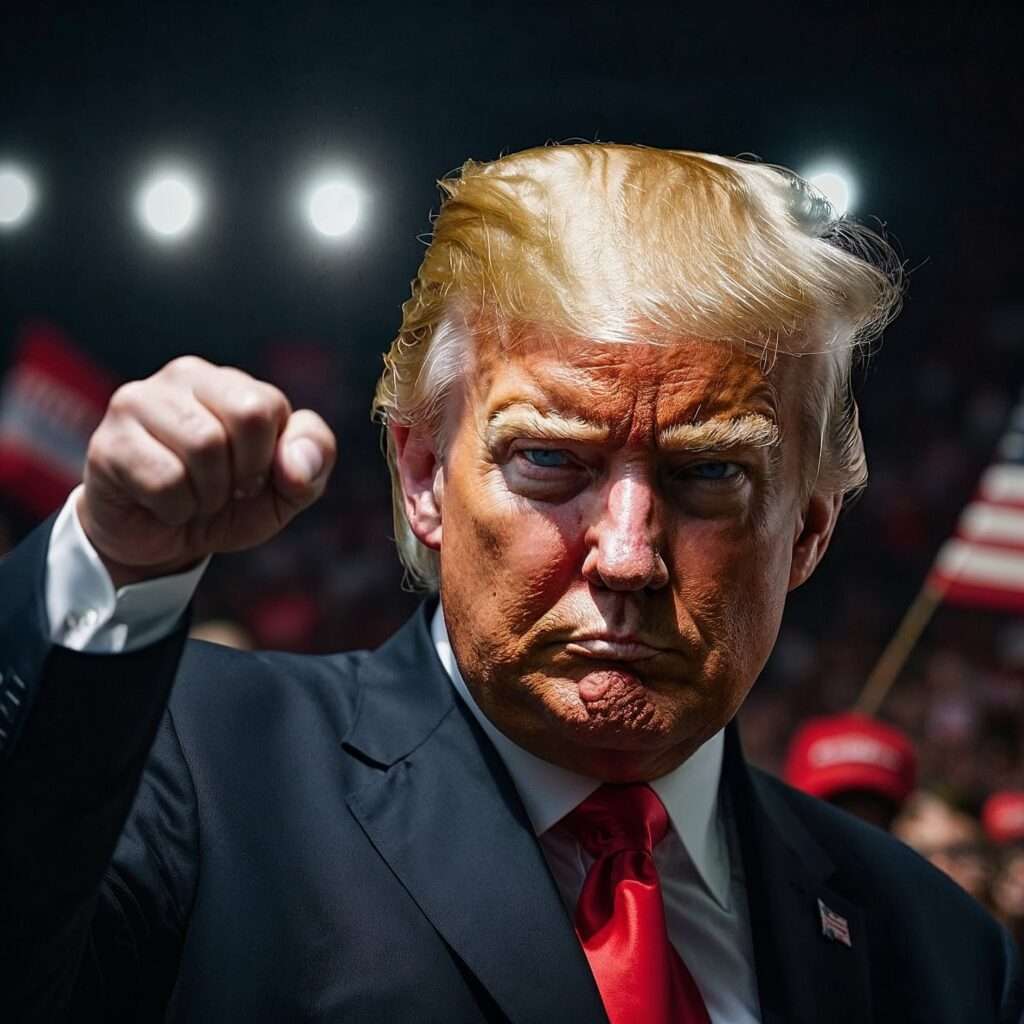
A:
(17, 197)
(332, 206)
(836, 185)
(169, 204)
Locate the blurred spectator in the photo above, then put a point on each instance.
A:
(951, 840)
(1002, 817)
(863, 766)
(1008, 892)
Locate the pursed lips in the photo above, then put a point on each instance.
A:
(611, 648)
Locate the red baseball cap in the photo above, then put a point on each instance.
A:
(1002, 816)
(842, 752)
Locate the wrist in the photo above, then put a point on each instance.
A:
(123, 574)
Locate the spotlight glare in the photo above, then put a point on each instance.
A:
(836, 185)
(168, 204)
(333, 207)
(17, 197)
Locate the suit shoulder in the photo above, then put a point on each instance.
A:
(219, 683)
(920, 918)
(882, 867)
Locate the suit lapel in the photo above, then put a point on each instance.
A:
(442, 811)
(804, 975)
(445, 816)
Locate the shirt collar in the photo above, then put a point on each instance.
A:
(549, 792)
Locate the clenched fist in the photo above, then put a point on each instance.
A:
(195, 460)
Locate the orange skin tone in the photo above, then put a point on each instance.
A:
(687, 554)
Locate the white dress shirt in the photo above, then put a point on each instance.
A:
(85, 612)
(698, 860)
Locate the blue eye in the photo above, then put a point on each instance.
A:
(714, 470)
(546, 458)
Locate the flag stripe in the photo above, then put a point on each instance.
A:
(992, 524)
(972, 563)
(38, 486)
(1003, 483)
(27, 424)
(49, 352)
(995, 598)
(983, 563)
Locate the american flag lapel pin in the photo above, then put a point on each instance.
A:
(834, 926)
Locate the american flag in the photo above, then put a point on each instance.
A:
(51, 400)
(833, 926)
(983, 562)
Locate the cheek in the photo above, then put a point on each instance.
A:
(522, 556)
(731, 583)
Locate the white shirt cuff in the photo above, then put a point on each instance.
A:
(87, 614)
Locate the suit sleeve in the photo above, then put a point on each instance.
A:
(87, 933)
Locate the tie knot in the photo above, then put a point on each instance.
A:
(613, 818)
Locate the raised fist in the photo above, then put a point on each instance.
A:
(195, 460)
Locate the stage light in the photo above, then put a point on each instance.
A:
(332, 206)
(836, 185)
(17, 196)
(169, 203)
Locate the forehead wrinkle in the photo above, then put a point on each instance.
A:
(751, 430)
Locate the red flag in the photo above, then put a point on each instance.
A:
(52, 399)
(983, 563)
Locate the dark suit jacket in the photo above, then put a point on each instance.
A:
(333, 839)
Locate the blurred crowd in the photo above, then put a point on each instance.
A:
(870, 769)
(332, 581)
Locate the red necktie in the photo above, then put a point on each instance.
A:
(620, 918)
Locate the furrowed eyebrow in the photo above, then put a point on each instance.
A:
(750, 431)
(524, 420)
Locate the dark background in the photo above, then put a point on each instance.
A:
(923, 104)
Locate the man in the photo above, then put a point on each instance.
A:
(620, 430)
(950, 839)
(867, 768)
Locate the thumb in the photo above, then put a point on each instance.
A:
(303, 459)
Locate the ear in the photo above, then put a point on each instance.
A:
(813, 535)
(421, 475)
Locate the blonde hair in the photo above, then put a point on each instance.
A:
(596, 240)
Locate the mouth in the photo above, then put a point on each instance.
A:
(601, 648)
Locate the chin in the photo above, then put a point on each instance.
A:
(612, 723)
(610, 710)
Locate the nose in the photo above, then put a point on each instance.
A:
(623, 543)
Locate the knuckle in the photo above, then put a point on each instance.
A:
(164, 479)
(330, 455)
(126, 397)
(108, 444)
(330, 442)
(203, 437)
(98, 452)
(186, 366)
(249, 408)
(312, 423)
(327, 440)
(278, 401)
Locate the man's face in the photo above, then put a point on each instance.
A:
(618, 528)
